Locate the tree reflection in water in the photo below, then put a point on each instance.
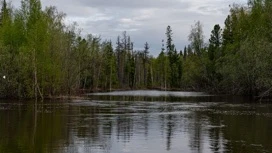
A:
(133, 124)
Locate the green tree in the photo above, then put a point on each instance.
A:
(145, 61)
(214, 53)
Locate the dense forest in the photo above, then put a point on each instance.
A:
(42, 57)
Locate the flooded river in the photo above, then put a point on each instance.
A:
(137, 122)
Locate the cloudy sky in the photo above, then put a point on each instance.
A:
(144, 20)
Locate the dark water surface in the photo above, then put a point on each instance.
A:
(137, 122)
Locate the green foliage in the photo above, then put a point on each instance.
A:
(41, 57)
(246, 45)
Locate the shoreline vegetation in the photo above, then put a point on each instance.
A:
(41, 56)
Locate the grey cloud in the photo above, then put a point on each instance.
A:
(132, 3)
(144, 20)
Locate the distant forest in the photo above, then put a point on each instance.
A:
(42, 57)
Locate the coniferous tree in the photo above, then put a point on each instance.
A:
(185, 53)
(119, 63)
(214, 53)
(145, 61)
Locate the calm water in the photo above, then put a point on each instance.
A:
(137, 122)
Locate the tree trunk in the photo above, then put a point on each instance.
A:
(110, 75)
(36, 85)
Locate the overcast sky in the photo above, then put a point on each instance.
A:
(144, 20)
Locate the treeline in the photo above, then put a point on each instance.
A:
(40, 56)
(237, 59)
